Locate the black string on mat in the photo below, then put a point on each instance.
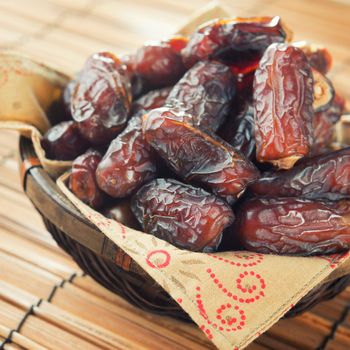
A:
(30, 311)
(334, 329)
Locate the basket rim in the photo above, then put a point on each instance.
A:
(48, 199)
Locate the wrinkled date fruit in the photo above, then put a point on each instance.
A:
(283, 97)
(323, 91)
(319, 57)
(185, 216)
(82, 180)
(324, 125)
(196, 156)
(242, 38)
(64, 142)
(242, 132)
(292, 226)
(205, 92)
(101, 99)
(121, 212)
(128, 162)
(313, 177)
(151, 100)
(160, 64)
(67, 96)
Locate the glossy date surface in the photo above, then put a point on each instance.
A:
(160, 64)
(101, 99)
(151, 100)
(241, 37)
(321, 176)
(206, 92)
(64, 141)
(128, 162)
(283, 98)
(197, 157)
(183, 215)
(82, 180)
(292, 226)
(121, 211)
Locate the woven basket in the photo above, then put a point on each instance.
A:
(100, 258)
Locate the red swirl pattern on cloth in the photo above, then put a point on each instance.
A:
(158, 259)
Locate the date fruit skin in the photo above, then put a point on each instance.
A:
(206, 92)
(319, 57)
(160, 63)
(294, 226)
(185, 216)
(128, 162)
(242, 132)
(101, 100)
(327, 175)
(283, 98)
(121, 211)
(152, 100)
(323, 91)
(64, 142)
(239, 36)
(82, 181)
(197, 157)
(324, 125)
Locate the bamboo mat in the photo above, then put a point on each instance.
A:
(45, 300)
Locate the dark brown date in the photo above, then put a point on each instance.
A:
(197, 157)
(128, 162)
(242, 38)
(121, 212)
(313, 177)
(241, 135)
(64, 142)
(324, 125)
(185, 216)
(160, 63)
(283, 97)
(206, 92)
(151, 100)
(82, 180)
(319, 57)
(101, 99)
(293, 226)
(67, 96)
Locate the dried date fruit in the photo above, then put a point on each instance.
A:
(183, 215)
(128, 162)
(323, 91)
(82, 180)
(314, 177)
(319, 57)
(63, 142)
(241, 37)
(151, 100)
(121, 212)
(160, 63)
(67, 96)
(242, 132)
(206, 92)
(101, 100)
(324, 125)
(283, 97)
(293, 226)
(197, 157)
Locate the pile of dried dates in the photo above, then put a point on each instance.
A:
(218, 141)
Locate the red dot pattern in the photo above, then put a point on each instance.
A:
(250, 287)
(245, 259)
(234, 321)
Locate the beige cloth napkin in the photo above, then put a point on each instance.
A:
(233, 297)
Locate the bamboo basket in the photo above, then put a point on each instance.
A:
(99, 257)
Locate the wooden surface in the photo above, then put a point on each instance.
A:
(80, 314)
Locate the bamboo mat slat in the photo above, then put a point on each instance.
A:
(68, 310)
